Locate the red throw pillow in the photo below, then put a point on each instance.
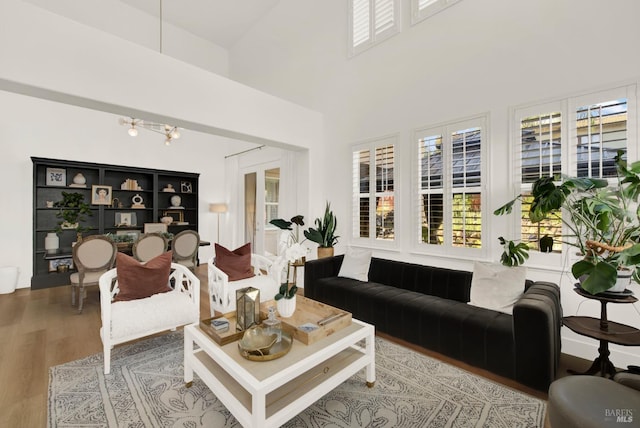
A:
(137, 280)
(236, 263)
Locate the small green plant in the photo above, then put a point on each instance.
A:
(72, 211)
(283, 224)
(285, 292)
(324, 234)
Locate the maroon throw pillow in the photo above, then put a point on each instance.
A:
(137, 280)
(237, 263)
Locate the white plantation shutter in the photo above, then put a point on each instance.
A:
(374, 191)
(577, 136)
(601, 130)
(422, 9)
(372, 21)
(466, 212)
(450, 170)
(541, 147)
(361, 19)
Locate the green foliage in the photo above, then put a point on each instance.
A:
(283, 224)
(592, 211)
(285, 292)
(324, 234)
(72, 210)
(513, 254)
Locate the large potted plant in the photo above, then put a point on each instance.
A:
(72, 212)
(602, 220)
(324, 233)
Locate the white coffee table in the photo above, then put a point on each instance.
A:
(269, 393)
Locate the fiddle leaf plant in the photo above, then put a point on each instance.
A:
(602, 219)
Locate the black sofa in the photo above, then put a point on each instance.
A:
(427, 306)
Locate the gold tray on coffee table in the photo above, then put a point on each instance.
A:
(277, 350)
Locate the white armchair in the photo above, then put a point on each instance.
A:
(128, 320)
(222, 292)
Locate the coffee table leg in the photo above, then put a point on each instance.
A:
(370, 344)
(258, 410)
(188, 353)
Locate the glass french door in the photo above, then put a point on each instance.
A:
(261, 203)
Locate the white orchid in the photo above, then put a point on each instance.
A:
(295, 252)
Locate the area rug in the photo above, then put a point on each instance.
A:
(146, 389)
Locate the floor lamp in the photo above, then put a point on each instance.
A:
(219, 208)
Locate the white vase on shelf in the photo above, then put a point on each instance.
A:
(51, 242)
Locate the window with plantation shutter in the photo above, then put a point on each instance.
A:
(422, 9)
(578, 136)
(374, 190)
(450, 207)
(372, 21)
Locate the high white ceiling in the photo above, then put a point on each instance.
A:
(222, 22)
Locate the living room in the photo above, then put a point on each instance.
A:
(66, 84)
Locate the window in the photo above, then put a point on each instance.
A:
(370, 22)
(374, 202)
(577, 137)
(422, 9)
(450, 184)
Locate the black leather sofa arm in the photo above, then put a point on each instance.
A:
(318, 269)
(537, 318)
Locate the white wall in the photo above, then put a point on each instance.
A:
(56, 59)
(129, 23)
(480, 56)
(35, 127)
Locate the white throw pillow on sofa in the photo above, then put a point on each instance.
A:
(355, 264)
(497, 287)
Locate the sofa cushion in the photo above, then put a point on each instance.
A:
(356, 264)
(139, 280)
(497, 287)
(237, 263)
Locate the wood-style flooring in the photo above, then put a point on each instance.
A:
(40, 329)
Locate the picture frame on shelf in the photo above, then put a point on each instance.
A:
(55, 263)
(101, 194)
(186, 187)
(126, 219)
(155, 227)
(56, 177)
(177, 215)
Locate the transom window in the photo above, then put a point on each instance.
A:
(422, 9)
(372, 21)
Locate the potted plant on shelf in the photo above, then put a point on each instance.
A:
(324, 234)
(602, 220)
(72, 212)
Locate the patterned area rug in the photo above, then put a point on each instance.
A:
(145, 389)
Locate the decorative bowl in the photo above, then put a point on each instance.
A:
(256, 341)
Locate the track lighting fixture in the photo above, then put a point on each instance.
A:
(170, 132)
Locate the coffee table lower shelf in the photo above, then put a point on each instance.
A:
(264, 394)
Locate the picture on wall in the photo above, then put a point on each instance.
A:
(56, 177)
(101, 194)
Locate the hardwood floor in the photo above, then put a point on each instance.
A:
(40, 329)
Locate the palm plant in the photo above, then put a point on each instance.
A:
(324, 233)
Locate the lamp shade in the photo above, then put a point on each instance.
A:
(218, 208)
